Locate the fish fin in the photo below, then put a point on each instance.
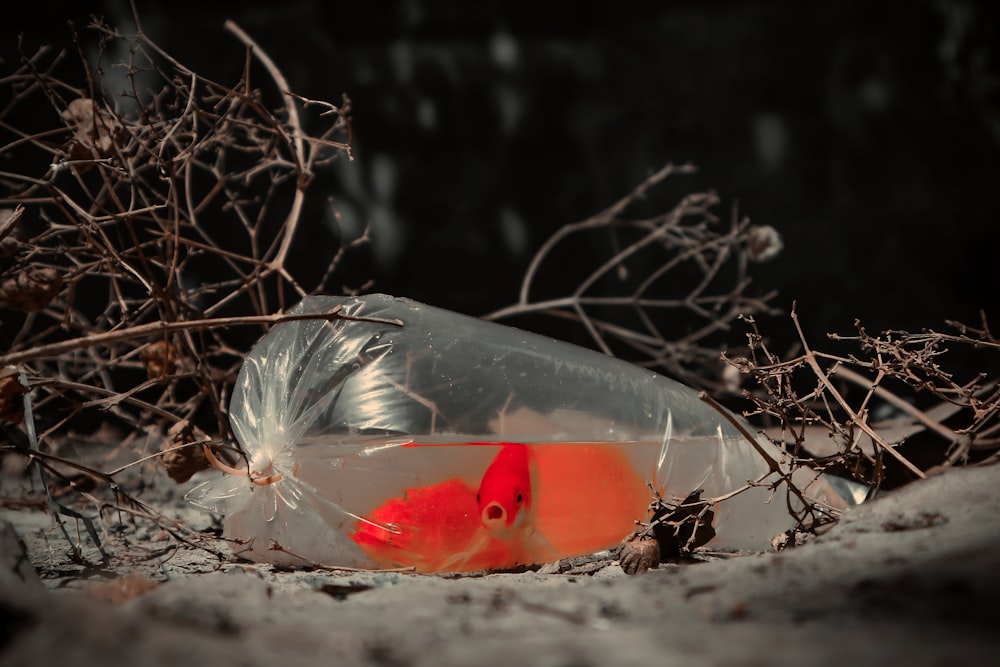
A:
(466, 559)
(421, 529)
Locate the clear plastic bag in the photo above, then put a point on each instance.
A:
(406, 435)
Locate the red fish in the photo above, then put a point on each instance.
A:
(535, 503)
(504, 496)
(450, 526)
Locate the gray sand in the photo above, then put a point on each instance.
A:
(911, 578)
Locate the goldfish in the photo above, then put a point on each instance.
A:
(534, 503)
(504, 497)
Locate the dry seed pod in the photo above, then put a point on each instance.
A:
(763, 243)
(11, 403)
(31, 289)
(179, 458)
(638, 554)
(160, 359)
(95, 131)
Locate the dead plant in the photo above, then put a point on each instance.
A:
(146, 231)
(887, 410)
(668, 286)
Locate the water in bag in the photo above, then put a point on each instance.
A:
(402, 435)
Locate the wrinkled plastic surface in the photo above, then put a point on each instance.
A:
(451, 443)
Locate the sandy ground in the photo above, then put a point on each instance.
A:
(912, 578)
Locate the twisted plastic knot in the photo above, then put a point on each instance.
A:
(256, 476)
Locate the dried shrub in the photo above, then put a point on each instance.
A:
(146, 237)
(176, 202)
(887, 409)
(668, 289)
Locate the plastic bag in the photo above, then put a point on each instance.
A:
(406, 435)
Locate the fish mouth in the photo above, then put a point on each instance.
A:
(494, 515)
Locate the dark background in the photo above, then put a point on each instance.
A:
(867, 133)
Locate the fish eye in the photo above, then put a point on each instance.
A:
(519, 498)
(478, 501)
